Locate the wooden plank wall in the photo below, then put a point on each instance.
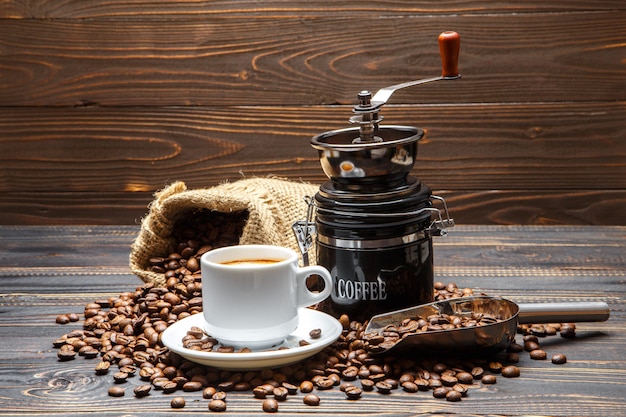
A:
(104, 102)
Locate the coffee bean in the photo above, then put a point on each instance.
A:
(66, 355)
(306, 387)
(217, 406)
(453, 396)
(259, 392)
(530, 346)
(177, 402)
(441, 392)
(538, 354)
(462, 389)
(311, 399)
(208, 392)
(488, 379)
(116, 391)
(169, 387)
(477, 372)
(367, 385)
(568, 331)
(409, 386)
(270, 405)
(219, 395)
(465, 377)
(192, 386)
(383, 387)
(510, 371)
(120, 377)
(315, 333)
(62, 319)
(353, 393)
(142, 390)
(559, 359)
(280, 393)
(495, 367)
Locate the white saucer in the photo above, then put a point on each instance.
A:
(258, 359)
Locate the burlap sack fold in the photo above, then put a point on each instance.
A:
(273, 205)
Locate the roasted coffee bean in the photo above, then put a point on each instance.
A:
(409, 386)
(353, 393)
(488, 379)
(461, 389)
(116, 391)
(315, 333)
(259, 392)
(495, 367)
(291, 389)
(306, 387)
(530, 346)
(270, 405)
(62, 319)
(367, 385)
(324, 383)
(453, 396)
(169, 387)
(383, 387)
(102, 368)
(177, 402)
(311, 399)
(538, 354)
(510, 371)
(208, 392)
(192, 386)
(120, 377)
(66, 355)
(142, 390)
(559, 359)
(219, 395)
(441, 392)
(217, 406)
(477, 372)
(280, 393)
(465, 377)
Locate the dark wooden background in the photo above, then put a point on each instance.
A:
(104, 102)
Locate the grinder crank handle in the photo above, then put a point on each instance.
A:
(449, 47)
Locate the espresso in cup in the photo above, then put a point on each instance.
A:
(251, 262)
(251, 294)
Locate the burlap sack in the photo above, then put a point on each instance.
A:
(273, 205)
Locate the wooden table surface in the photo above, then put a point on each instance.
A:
(46, 271)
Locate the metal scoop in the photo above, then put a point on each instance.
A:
(483, 323)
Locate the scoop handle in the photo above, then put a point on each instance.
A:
(449, 47)
(567, 312)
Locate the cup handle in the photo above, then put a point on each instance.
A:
(305, 296)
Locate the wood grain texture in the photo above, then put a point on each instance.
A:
(529, 57)
(102, 103)
(21, 9)
(531, 167)
(41, 278)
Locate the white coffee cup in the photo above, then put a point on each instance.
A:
(254, 304)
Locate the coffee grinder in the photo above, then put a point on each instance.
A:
(373, 222)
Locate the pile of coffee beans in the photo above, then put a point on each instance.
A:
(391, 334)
(122, 335)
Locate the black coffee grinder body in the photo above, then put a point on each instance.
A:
(377, 247)
(374, 222)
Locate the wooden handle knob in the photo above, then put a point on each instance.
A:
(449, 46)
